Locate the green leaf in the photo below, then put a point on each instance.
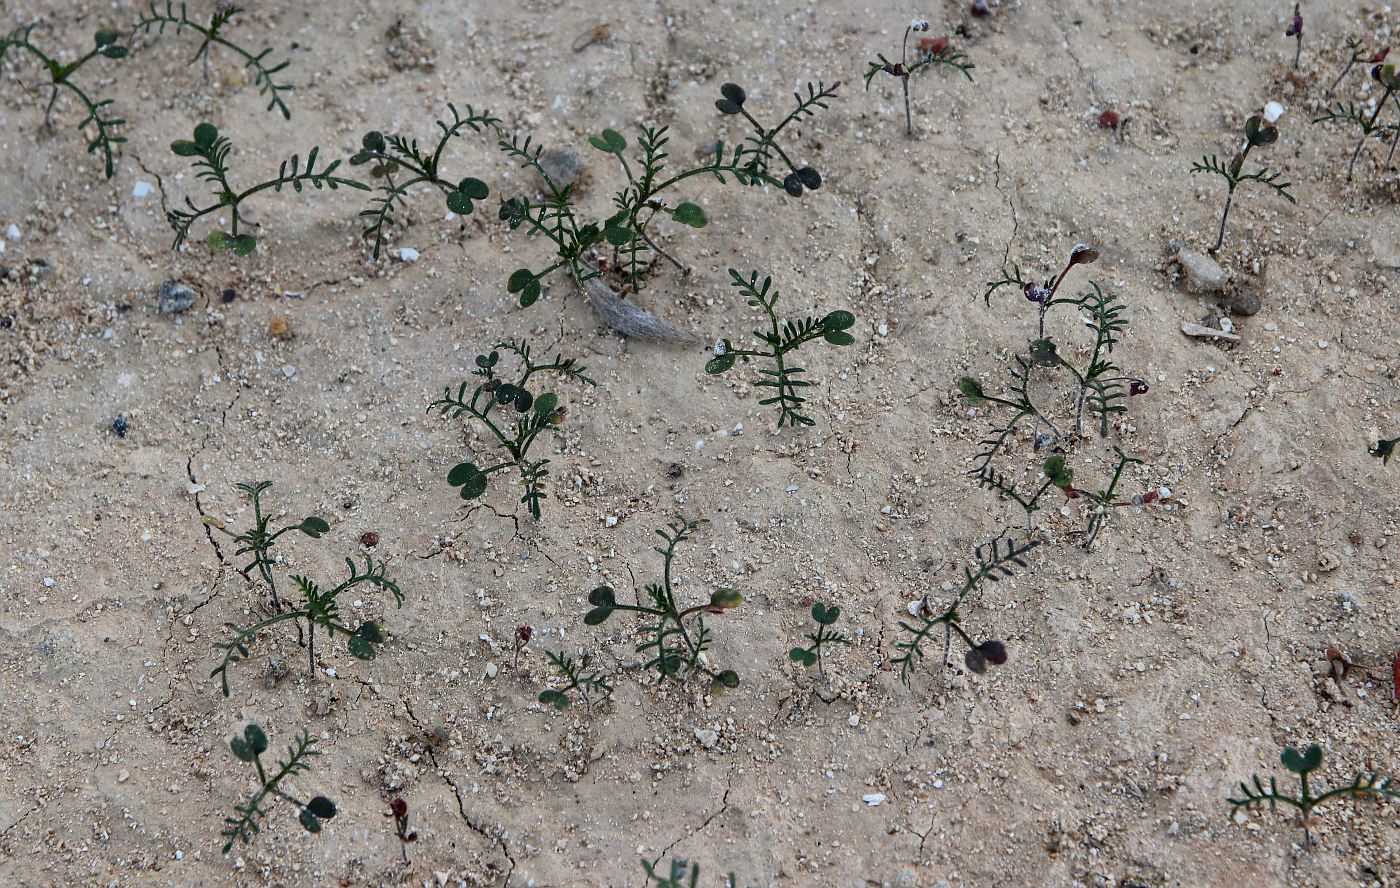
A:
(597, 616)
(1059, 475)
(1043, 352)
(241, 749)
(728, 678)
(839, 337)
(546, 403)
(530, 294)
(115, 52)
(803, 656)
(460, 203)
(322, 807)
(244, 244)
(825, 615)
(219, 240)
(373, 141)
(462, 473)
(603, 595)
(619, 235)
(205, 135)
(105, 37)
(556, 699)
(519, 279)
(972, 390)
(314, 527)
(690, 214)
(715, 366)
(257, 740)
(360, 648)
(610, 142)
(309, 821)
(371, 631)
(473, 188)
(184, 148)
(838, 320)
(725, 598)
(1302, 763)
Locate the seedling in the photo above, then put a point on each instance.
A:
(1357, 56)
(645, 198)
(1295, 30)
(398, 809)
(678, 637)
(576, 677)
(1388, 78)
(1384, 449)
(1255, 135)
(930, 51)
(319, 606)
(61, 77)
(393, 154)
(210, 151)
(1257, 795)
(517, 409)
(781, 338)
(522, 638)
(674, 876)
(157, 20)
(811, 655)
(249, 815)
(994, 560)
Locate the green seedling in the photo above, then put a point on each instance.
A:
(646, 198)
(156, 20)
(319, 607)
(1255, 794)
(1256, 134)
(393, 156)
(1356, 55)
(515, 417)
(678, 636)
(249, 816)
(678, 874)
(781, 338)
(994, 560)
(61, 77)
(210, 152)
(930, 52)
(825, 616)
(574, 678)
(1389, 80)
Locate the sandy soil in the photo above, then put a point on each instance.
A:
(1147, 676)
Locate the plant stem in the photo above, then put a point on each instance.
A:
(1220, 236)
(1371, 125)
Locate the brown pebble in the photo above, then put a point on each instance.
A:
(369, 539)
(278, 328)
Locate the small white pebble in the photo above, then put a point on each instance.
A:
(330, 673)
(1273, 111)
(141, 189)
(289, 371)
(12, 232)
(854, 719)
(48, 581)
(874, 799)
(491, 670)
(408, 254)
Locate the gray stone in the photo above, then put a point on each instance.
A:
(564, 165)
(1203, 274)
(1242, 302)
(174, 297)
(706, 738)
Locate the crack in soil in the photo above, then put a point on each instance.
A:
(723, 806)
(497, 839)
(1011, 205)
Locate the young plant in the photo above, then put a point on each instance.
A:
(1256, 796)
(248, 818)
(61, 77)
(781, 337)
(674, 876)
(647, 196)
(575, 678)
(514, 415)
(1295, 30)
(210, 151)
(1357, 56)
(811, 655)
(1255, 135)
(994, 560)
(398, 809)
(1389, 79)
(395, 154)
(319, 606)
(931, 51)
(678, 637)
(155, 20)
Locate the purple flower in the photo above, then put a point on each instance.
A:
(1036, 294)
(1296, 29)
(1137, 387)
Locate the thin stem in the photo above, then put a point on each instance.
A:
(1220, 236)
(1367, 132)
